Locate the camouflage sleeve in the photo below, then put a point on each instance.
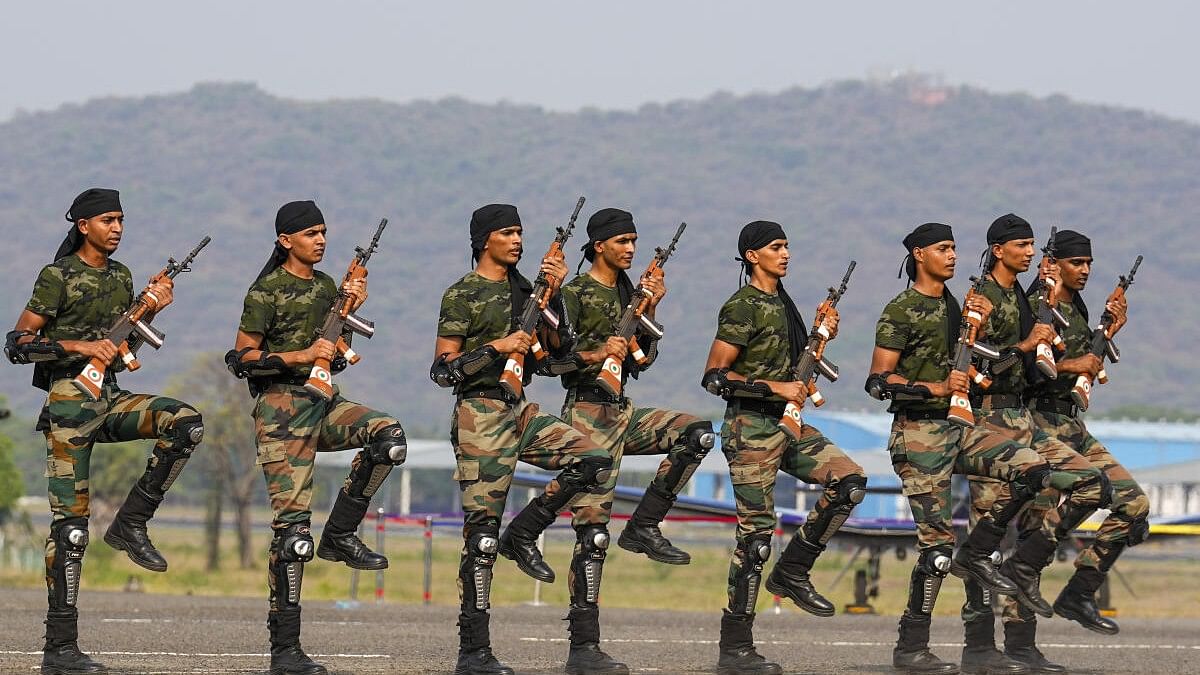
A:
(257, 311)
(735, 323)
(454, 318)
(992, 292)
(893, 329)
(47, 292)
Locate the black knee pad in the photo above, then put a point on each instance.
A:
(755, 550)
(388, 446)
(1108, 494)
(700, 438)
(936, 561)
(926, 581)
(187, 432)
(475, 574)
(588, 564)
(585, 474)
(69, 538)
(1030, 483)
(1139, 531)
(851, 490)
(291, 547)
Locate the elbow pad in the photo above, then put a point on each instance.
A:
(266, 365)
(452, 373)
(35, 351)
(876, 386)
(879, 388)
(555, 366)
(717, 382)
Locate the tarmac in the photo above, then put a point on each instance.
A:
(142, 633)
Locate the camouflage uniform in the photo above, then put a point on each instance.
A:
(757, 449)
(1073, 474)
(490, 434)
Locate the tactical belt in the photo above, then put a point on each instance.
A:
(919, 415)
(1053, 405)
(996, 401)
(598, 395)
(494, 393)
(769, 408)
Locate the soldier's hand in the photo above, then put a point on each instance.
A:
(979, 304)
(357, 290)
(1119, 309)
(795, 392)
(1088, 364)
(516, 342)
(1041, 332)
(616, 348)
(162, 292)
(1048, 272)
(831, 321)
(555, 269)
(104, 350)
(321, 349)
(654, 284)
(955, 381)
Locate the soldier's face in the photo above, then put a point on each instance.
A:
(308, 246)
(504, 245)
(1075, 272)
(938, 260)
(103, 232)
(1016, 255)
(772, 258)
(618, 251)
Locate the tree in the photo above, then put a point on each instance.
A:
(226, 454)
(11, 487)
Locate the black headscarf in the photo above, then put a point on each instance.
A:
(927, 235)
(90, 203)
(754, 236)
(1069, 244)
(486, 220)
(292, 217)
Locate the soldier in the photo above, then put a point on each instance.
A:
(75, 300)
(915, 345)
(282, 314)
(1011, 328)
(760, 335)
(491, 430)
(1055, 413)
(595, 301)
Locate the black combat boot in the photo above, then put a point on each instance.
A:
(738, 656)
(475, 647)
(339, 541)
(1025, 567)
(586, 657)
(790, 577)
(128, 530)
(1077, 602)
(61, 655)
(1019, 645)
(287, 658)
(519, 541)
(642, 534)
(974, 559)
(911, 654)
(980, 656)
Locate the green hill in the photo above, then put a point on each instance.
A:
(847, 168)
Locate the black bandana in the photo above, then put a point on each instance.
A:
(90, 203)
(754, 236)
(1071, 244)
(925, 235)
(1007, 228)
(291, 218)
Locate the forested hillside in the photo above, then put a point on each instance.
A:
(847, 168)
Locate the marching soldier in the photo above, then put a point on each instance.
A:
(76, 299)
(595, 302)
(1012, 329)
(283, 312)
(760, 335)
(491, 429)
(915, 344)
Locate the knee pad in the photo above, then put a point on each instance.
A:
(1029, 484)
(847, 493)
(476, 572)
(588, 564)
(69, 538)
(294, 543)
(187, 432)
(388, 446)
(586, 472)
(1139, 531)
(935, 561)
(851, 490)
(755, 550)
(700, 438)
(290, 549)
(926, 582)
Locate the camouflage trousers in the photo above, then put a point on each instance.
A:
(757, 450)
(925, 453)
(291, 425)
(1072, 474)
(1129, 503)
(623, 429)
(73, 423)
(489, 436)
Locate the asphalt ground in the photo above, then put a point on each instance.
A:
(142, 633)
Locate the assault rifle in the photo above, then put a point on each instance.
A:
(133, 324)
(813, 362)
(1102, 343)
(968, 346)
(634, 317)
(536, 307)
(1049, 314)
(341, 318)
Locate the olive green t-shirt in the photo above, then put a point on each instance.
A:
(478, 310)
(595, 311)
(1003, 330)
(1078, 338)
(914, 324)
(288, 311)
(756, 321)
(80, 302)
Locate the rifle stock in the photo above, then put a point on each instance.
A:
(134, 322)
(1102, 342)
(960, 412)
(1049, 314)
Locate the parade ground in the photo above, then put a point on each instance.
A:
(149, 633)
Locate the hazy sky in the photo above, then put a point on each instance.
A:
(566, 55)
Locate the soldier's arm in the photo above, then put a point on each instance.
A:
(29, 324)
(883, 365)
(719, 377)
(249, 347)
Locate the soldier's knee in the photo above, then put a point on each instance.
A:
(935, 561)
(1029, 484)
(700, 438)
(388, 446)
(850, 490)
(1138, 507)
(186, 432)
(589, 471)
(1094, 491)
